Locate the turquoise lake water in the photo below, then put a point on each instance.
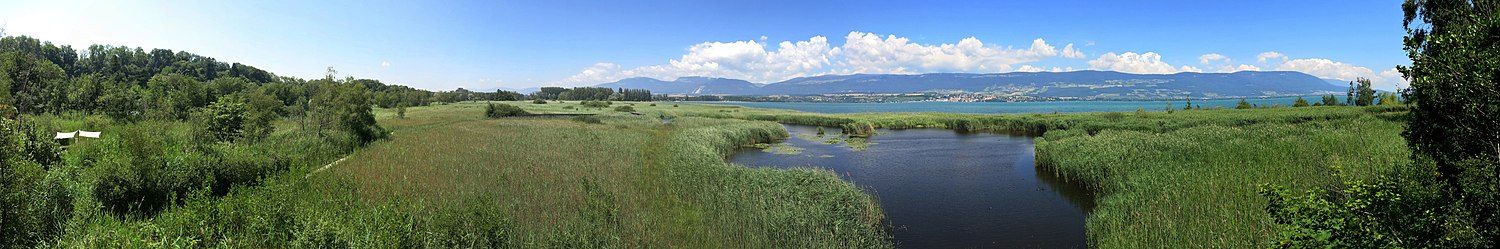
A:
(1006, 107)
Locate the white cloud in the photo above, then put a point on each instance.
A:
(1396, 78)
(385, 64)
(1223, 64)
(1205, 59)
(1029, 68)
(1130, 62)
(763, 37)
(1190, 69)
(868, 53)
(1392, 73)
(1072, 53)
(599, 72)
(1262, 57)
(1325, 68)
(861, 53)
(1328, 69)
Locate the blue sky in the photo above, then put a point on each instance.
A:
(441, 45)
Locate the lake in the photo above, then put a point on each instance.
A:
(1004, 107)
(942, 189)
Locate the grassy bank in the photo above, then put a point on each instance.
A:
(1181, 179)
(449, 178)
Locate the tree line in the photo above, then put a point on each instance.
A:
(593, 93)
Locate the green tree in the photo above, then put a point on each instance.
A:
(30, 84)
(1447, 196)
(1365, 95)
(1388, 98)
(503, 110)
(1455, 119)
(1330, 100)
(171, 96)
(1243, 105)
(226, 118)
(33, 207)
(1300, 102)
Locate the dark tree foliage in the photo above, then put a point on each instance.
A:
(1455, 96)
(503, 95)
(549, 93)
(586, 93)
(1364, 95)
(624, 94)
(31, 84)
(1447, 196)
(503, 110)
(225, 119)
(1299, 102)
(1330, 100)
(33, 208)
(1243, 105)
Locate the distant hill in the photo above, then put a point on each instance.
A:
(1065, 85)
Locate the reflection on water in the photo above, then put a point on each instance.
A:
(942, 189)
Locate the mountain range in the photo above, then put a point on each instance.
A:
(1065, 85)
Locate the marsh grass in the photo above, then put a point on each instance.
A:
(1180, 179)
(448, 177)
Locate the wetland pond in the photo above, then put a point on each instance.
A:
(943, 189)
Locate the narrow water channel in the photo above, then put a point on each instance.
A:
(942, 189)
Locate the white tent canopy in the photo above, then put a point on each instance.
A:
(79, 133)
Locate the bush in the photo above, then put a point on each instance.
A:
(539, 102)
(34, 205)
(625, 109)
(1243, 105)
(503, 110)
(859, 129)
(595, 104)
(588, 119)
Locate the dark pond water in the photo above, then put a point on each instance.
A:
(942, 189)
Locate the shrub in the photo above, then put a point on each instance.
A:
(33, 203)
(1114, 116)
(595, 104)
(539, 102)
(1243, 105)
(859, 129)
(588, 119)
(653, 104)
(503, 110)
(625, 108)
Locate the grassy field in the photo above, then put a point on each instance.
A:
(449, 178)
(1182, 179)
(632, 181)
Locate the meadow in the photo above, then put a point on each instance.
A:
(1184, 178)
(448, 177)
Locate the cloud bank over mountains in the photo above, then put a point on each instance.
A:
(869, 53)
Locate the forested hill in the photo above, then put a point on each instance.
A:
(1077, 84)
(132, 83)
